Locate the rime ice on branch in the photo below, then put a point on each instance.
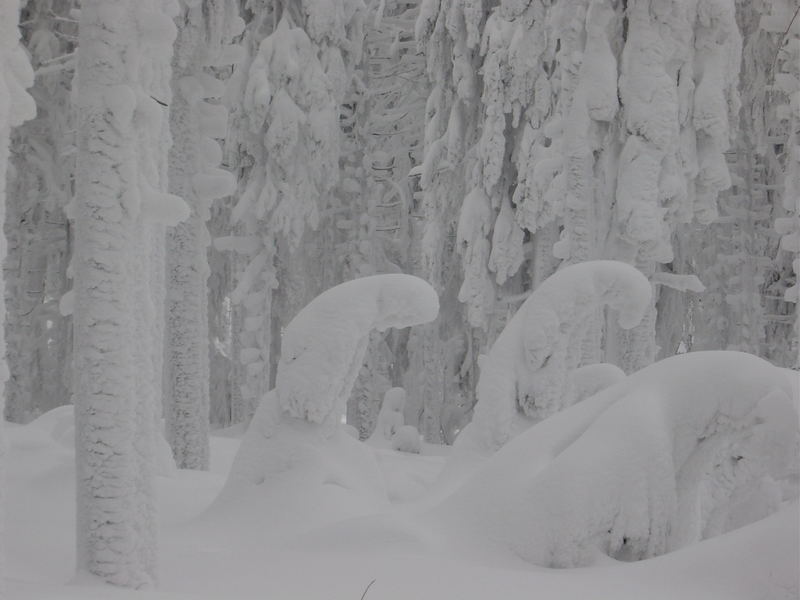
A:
(524, 378)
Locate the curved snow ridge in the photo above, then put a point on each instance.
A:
(323, 346)
(692, 447)
(525, 376)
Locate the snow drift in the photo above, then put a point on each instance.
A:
(689, 448)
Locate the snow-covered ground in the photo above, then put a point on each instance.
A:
(282, 551)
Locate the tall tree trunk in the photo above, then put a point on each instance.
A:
(120, 197)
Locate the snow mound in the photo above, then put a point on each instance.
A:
(406, 439)
(689, 448)
(526, 375)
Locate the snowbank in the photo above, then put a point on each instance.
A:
(689, 448)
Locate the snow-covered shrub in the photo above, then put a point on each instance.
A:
(296, 434)
(391, 419)
(689, 448)
(406, 439)
(525, 376)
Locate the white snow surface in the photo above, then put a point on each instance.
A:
(289, 545)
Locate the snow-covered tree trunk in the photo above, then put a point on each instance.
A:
(119, 207)
(16, 106)
(194, 175)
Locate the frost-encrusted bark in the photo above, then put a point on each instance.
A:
(120, 207)
(194, 175)
(525, 376)
(16, 106)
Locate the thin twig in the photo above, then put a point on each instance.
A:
(366, 589)
(780, 43)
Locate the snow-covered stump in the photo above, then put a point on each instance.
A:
(689, 448)
(120, 207)
(296, 435)
(16, 106)
(525, 376)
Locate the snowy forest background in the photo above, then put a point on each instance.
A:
(183, 177)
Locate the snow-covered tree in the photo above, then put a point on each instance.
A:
(120, 208)
(194, 174)
(527, 374)
(38, 336)
(382, 130)
(288, 92)
(296, 433)
(741, 262)
(16, 106)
